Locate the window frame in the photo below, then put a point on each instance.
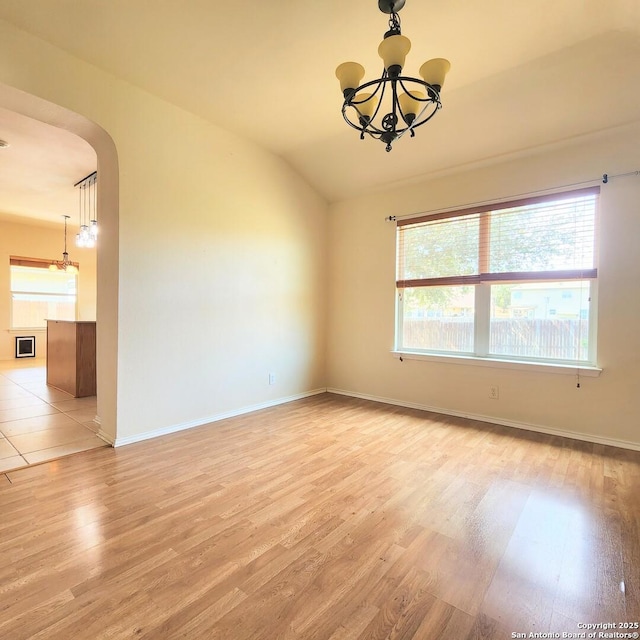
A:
(483, 280)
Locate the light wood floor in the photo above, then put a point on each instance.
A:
(327, 518)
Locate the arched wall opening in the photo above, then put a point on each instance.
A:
(107, 249)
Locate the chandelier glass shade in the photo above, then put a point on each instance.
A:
(390, 106)
(87, 211)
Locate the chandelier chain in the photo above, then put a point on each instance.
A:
(394, 23)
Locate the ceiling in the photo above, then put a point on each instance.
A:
(38, 170)
(524, 74)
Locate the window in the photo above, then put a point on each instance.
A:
(509, 281)
(39, 294)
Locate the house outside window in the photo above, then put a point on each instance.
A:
(513, 281)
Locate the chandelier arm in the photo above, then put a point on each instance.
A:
(380, 84)
(382, 87)
(370, 128)
(401, 79)
(432, 94)
(432, 99)
(417, 122)
(373, 131)
(395, 107)
(378, 81)
(393, 132)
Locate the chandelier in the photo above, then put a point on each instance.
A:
(65, 264)
(87, 211)
(394, 104)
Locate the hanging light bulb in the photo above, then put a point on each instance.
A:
(93, 223)
(90, 242)
(82, 233)
(82, 238)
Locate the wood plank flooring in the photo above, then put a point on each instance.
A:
(328, 518)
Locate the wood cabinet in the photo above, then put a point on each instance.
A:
(71, 357)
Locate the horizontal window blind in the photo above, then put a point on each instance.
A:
(535, 239)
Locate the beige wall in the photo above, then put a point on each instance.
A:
(41, 242)
(362, 296)
(210, 267)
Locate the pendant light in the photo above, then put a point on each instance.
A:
(394, 104)
(65, 264)
(87, 211)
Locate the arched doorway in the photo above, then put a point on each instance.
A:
(107, 254)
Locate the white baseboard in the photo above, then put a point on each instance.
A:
(147, 435)
(574, 435)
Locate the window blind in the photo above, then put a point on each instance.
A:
(543, 238)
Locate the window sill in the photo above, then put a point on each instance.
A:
(498, 363)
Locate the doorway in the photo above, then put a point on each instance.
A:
(19, 378)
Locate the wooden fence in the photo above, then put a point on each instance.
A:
(562, 339)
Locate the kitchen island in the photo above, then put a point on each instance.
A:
(71, 356)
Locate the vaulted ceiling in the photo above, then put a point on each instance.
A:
(524, 73)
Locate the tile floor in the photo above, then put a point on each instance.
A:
(40, 423)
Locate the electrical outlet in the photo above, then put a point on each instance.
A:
(272, 378)
(494, 392)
